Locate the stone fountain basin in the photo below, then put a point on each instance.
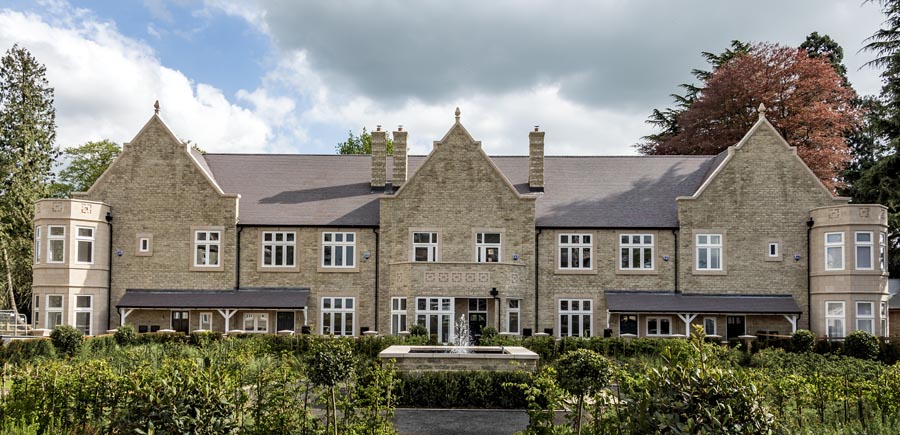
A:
(449, 358)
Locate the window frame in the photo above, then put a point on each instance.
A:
(343, 245)
(871, 247)
(884, 319)
(658, 320)
(200, 321)
(482, 247)
(770, 253)
(285, 245)
(517, 310)
(569, 246)
(870, 318)
(89, 310)
(399, 314)
(79, 239)
(259, 318)
(48, 310)
(338, 312)
(427, 313)
(572, 313)
(835, 245)
(36, 312)
(56, 238)
(208, 244)
(709, 247)
(883, 251)
(637, 323)
(431, 247)
(715, 326)
(641, 246)
(37, 244)
(842, 318)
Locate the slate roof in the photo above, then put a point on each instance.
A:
(894, 289)
(261, 298)
(655, 302)
(584, 191)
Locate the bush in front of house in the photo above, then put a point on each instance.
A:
(803, 341)
(862, 345)
(67, 339)
(126, 335)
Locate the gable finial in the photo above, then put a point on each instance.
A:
(761, 110)
(156, 108)
(457, 114)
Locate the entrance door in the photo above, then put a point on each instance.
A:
(284, 321)
(737, 326)
(181, 321)
(477, 316)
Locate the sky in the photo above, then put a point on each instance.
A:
(282, 76)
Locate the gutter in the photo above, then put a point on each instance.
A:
(109, 219)
(809, 225)
(537, 263)
(237, 259)
(675, 233)
(377, 260)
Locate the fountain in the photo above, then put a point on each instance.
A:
(462, 339)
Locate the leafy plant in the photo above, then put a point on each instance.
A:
(126, 335)
(331, 363)
(803, 341)
(862, 345)
(581, 373)
(67, 339)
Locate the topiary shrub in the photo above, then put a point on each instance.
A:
(126, 335)
(488, 333)
(582, 373)
(862, 345)
(803, 341)
(418, 330)
(67, 340)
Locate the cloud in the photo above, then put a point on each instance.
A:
(106, 83)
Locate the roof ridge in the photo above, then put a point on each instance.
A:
(568, 156)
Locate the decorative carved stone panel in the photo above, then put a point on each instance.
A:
(57, 207)
(864, 212)
(834, 213)
(86, 208)
(457, 279)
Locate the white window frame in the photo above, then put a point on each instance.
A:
(258, 319)
(399, 315)
(287, 243)
(335, 313)
(89, 310)
(659, 320)
(329, 241)
(714, 326)
(425, 315)
(708, 247)
(37, 245)
(56, 238)
(209, 322)
(870, 317)
(482, 247)
(48, 310)
(884, 319)
(206, 245)
(772, 251)
(568, 314)
(842, 318)
(36, 312)
(514, 306)
(431, 247)
(834, 245)
(569, 246)
(144, 241)
(870, 245)
(627, 244)
(89, 240)
(883, 257)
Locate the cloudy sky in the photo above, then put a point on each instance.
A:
(271, 76)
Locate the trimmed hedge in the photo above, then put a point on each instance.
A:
(28, 350)
(462, 389)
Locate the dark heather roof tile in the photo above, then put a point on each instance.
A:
(653, 302)
(255, 298)
(578, 191)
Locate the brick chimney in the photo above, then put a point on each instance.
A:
(536, 160)
(379, 160)
(400, 158)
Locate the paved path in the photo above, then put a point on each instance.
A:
(459, 421)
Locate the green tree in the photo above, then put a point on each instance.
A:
(817, 45)
(582, 373)
(361, 144)
(27, 151)
(86, 163)
(330, 364)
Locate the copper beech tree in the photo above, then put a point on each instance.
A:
(806, 99)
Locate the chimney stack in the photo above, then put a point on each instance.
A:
(400, 158)
(536, 160)
(379, 160)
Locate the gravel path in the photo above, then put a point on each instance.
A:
(459, 421)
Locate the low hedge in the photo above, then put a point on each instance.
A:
(462, 389)
(27, 350)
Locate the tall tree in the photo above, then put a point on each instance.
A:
(361, 144)
(817, 45)
(807, 103)
(86, 163)
(27, 151)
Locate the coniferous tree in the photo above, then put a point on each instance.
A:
(86, 163)
(27, 152)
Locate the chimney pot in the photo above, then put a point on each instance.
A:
(536, 160)
(400, 127)
(378, 127)
(400, 158)
(537, 128)
(379, 160)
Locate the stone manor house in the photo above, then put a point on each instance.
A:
(745, 242)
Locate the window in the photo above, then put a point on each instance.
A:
(487, 247)
(636, 251)
(513, 311)
(35, 318)
(773, 250)
(865, 246)
(834, 319)
(84, 245)
(54, 311)
(398, 315)
(205, 321)
(338, 250)
(37, 245)
(658, 326)
(144, 244)
(56, 244)
(575, 252)
(436, 315)
(709, 252)
(337, 316)
(709, 325)
(83, 310)
(882, 256)
(206, 248)
(834, 251)
(256, 322)
(884, 319)
(628, 324)
(575, 318)
(279, 249)
(425, 246)
(865, 316)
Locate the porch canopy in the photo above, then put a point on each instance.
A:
(226, 302)
(688, 306)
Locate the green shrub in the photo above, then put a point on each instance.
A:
(488, 332)
(101, 346)
(67, 340)
(803, 341)
(582, 373)
(462, 389)
(161, 337)
(418, 330)
(28, 350)
(126, 335)
(204, 338)
(862, 345)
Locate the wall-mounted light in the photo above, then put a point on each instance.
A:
(494, 293)
(367, 254)
(665, 258)
(515, 257)
(119, 252)
(796, 257)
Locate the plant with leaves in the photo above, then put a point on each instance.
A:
(86, 163)
(361, 144)
(803, 341)
(583, 373)
(27, 151)
(862, 345)
(67, 339)
(330, 364)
